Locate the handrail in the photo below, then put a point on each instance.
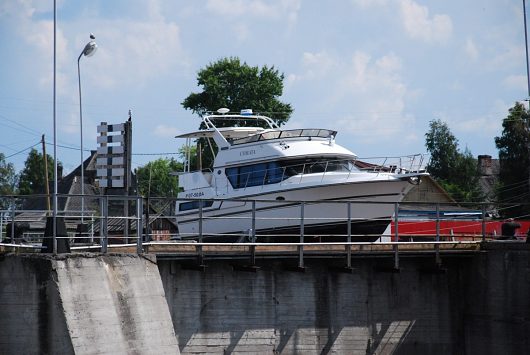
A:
(289, 133)
(104, 241)
(314, 167)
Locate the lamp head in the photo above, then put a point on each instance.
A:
(90, 48)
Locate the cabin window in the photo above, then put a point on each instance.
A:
(194, 205)
(276, 171)
(254, 175)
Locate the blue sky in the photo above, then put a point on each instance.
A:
(375, 70)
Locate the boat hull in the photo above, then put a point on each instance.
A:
(321, 212)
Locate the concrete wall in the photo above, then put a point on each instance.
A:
(479, 305)
(117, 304)
(83, 304)
(497, 303)
(31, 316)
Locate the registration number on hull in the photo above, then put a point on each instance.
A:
(194, 195)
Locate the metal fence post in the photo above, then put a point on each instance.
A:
(348, 247)
(105, 240)
(12, 220)
(437, 222)
(396, 236)
(200, 221)
(302, 230)
(1, 226)
(199, 247)
(437, 245)
(483, 222)
(139, 224)
(91, 228)
(253, 235)
(101, 223)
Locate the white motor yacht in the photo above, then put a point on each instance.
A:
(274, 182)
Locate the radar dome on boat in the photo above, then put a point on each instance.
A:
(223, 110)
(246, 112)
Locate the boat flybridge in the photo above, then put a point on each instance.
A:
(268, 181)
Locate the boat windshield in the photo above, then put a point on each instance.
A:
(320, 133)
(277, 171)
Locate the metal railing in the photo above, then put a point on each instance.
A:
(304, 225)
(313, 169)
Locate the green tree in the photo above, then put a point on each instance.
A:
(32, 178)
(443, 147)
(228, 83)
(155, 179)
(456, 171)
(8, 181)
(513, 146)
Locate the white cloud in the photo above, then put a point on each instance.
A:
(165, 131)
(132, 52)
(368, 3)
(416, 19)
(516, 82)
(471, 49)
(317, 64)
(465, 123)
(256, 8)
(368, 95)
(242, 32)
(38, 34)
(507, 56)
(419, 25)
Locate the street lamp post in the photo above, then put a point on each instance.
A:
(526, 49)
(88, 51)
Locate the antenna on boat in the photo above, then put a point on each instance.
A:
(223, 110)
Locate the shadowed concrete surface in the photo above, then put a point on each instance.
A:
(477, 304)
(83, 304)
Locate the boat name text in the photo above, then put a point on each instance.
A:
(247, 152)
(194, 194)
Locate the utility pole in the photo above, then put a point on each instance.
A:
(526, 52)
(525, 118)
(46, 180)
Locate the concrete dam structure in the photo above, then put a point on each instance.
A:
(83, 304)
(129, 304)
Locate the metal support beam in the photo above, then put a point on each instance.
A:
(396, 236)
(348, 247)
(12, 220)
(302, 230)
(483, 222)
(437, 245)
(139, 224)
(105, 240)
(253, 235)
(200, 255)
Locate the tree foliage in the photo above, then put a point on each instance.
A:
(514, 157)
(155, 179)
(443, 147)
(456, 171)
(228, 83)
(8, 181)
(32, 178)
(8, 177)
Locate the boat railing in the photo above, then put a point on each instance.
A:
(291, 133)
(260, 175)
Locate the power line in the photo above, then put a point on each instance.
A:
(163, 153)
(22, 151)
